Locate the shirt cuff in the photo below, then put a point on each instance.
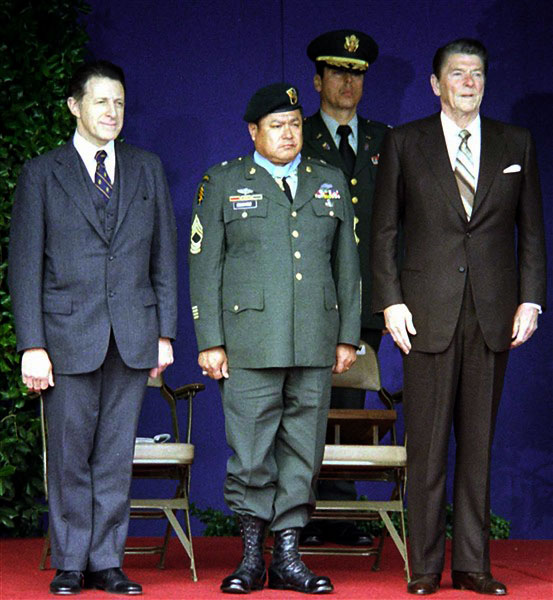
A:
(533, 305)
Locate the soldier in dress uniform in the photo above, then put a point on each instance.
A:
(341, 137)
(275, 291)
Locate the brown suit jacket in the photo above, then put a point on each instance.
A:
(501, 248)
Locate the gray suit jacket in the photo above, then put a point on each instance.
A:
(276, 284)
(69, 286)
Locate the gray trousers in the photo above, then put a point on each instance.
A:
(460, 386)
(92, 420)
(275, 422)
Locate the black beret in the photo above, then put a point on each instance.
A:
(344, 48)
(277, 97)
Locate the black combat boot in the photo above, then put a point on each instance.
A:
(251, 573)
(287, 571)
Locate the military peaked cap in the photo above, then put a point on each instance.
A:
(345, 49)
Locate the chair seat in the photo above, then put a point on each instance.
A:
(377, 456)
(171, 453)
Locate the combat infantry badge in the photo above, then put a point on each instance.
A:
(352, 43)
(293, 95)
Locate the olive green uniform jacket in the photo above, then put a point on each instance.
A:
(276, 284)
(318, 143)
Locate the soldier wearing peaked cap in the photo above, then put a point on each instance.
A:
(341, 137)
(274, 283)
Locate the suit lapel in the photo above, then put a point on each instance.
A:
(433, 147)
(68, 173)
(129, 177)
(491, 152)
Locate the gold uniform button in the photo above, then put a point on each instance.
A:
(299, 276)
(244, 215)
(354, 181)
(297, 254)
(295, 234)
(336, 306)
(355, 199)
(308, 169)
(294, 213)
(252, 170)
(331, 213)
(236, 307)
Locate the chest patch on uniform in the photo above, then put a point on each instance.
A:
(327, 193)
(247, 200)
(196, 236)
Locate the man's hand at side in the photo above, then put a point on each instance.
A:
(524, 324)
(165, 357)
(399, 322)
(346, 355)
(214, 362)
(36, 370)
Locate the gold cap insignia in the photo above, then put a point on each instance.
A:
(352, 43)
(293, 95)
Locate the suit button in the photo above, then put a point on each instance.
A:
(297, 254)
(331, 213)
(355, 199)
(111, 257)
(353, 181)
(294, 213)
(236, 307)
(299, 276)
(461, 269)
(244, 215)
(295, 234)
(111, 294)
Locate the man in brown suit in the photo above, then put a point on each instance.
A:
(466, 191)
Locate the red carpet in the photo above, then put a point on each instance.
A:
(524, 566)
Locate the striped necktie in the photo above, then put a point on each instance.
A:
(464, 173)
(101, 177)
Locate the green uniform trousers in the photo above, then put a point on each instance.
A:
(275, 422)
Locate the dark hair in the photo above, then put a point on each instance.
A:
(97, 68)
(460, 46)
(320, 68)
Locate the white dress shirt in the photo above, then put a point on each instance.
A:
(87, 152)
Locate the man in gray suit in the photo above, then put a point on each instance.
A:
(93, 284)
(275, 284)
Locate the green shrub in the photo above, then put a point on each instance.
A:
(41, 43)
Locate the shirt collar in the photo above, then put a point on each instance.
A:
(332, 126)
(277, 170)
(88, 150)
(452, 129)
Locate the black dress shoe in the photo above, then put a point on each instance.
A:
(112, 580)
(251, 573)
(482, 583)
(311, 535)
(424, 584)
(287, 570)
(66, 582)
(348, 534)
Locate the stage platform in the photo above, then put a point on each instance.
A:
(525, 566)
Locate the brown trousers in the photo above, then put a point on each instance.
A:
(460, 386)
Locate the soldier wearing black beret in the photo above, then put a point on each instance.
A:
(341, 137)
(274, 285)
